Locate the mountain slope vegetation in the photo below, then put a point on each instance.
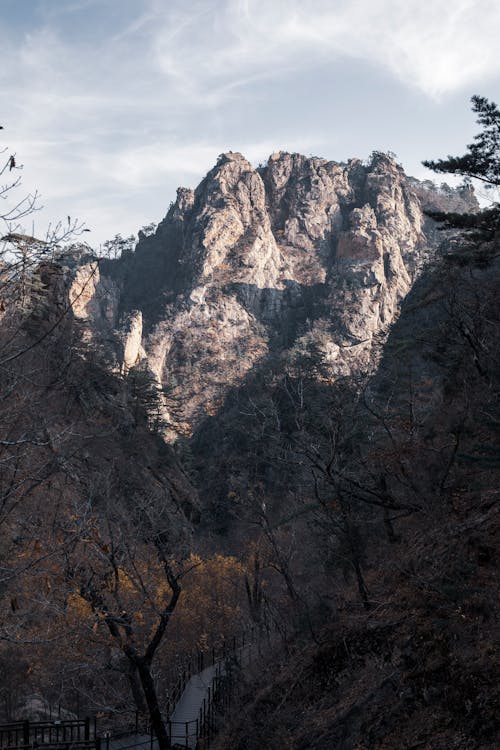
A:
(280, 412)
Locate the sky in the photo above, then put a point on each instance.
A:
(110, 105)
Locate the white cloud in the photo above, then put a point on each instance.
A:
(102, 98)
(438, 47)
(147, 165)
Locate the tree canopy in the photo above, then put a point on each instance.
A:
(482, 158)
(480, 162)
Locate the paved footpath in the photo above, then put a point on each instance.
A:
(184, 717)
(183, 720)
(139, 741)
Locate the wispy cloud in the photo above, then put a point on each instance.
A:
(438, 47)
(108, 99)
(148, 165)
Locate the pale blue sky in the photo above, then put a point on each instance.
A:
(111, 104)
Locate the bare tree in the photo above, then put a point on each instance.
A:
(122, 566)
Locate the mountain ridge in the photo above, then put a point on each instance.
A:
(254, 259)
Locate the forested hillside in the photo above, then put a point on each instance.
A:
(279, 412)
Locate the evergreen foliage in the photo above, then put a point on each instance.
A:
(145, 396)
(482, 159)
(480, 162)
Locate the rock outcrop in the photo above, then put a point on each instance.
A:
(259, 261)
(133, 351)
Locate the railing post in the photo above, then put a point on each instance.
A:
(86, 731)
(26, 733)
(187, 733)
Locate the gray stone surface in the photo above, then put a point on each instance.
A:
(184, 718)
(302, 252)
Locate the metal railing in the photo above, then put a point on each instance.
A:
(99, 733)
(31, 734)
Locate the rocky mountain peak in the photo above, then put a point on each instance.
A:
(230, 225)
(264, 260)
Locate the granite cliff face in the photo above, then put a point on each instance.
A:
(300, 254)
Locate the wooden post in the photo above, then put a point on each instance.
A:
(26, 733)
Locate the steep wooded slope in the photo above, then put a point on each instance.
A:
(80, 468)
(418, 666)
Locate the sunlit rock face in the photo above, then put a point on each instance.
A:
(260, 261)
(131, 336)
